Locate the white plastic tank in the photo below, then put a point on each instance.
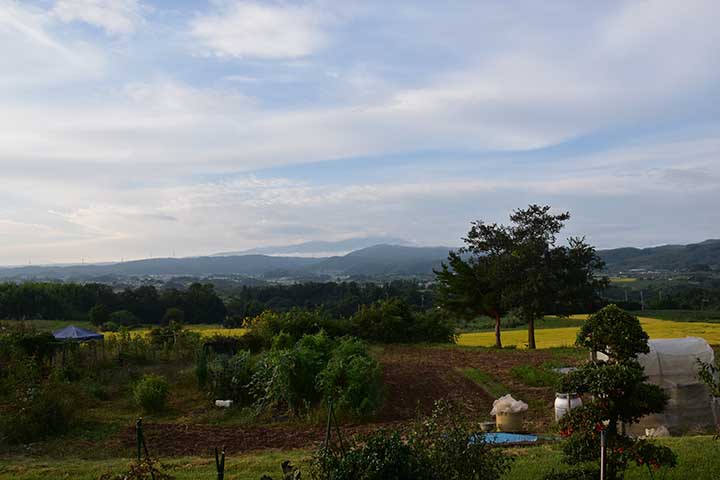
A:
(564, 402)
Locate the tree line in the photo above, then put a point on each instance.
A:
(338, 299)
(199, 303)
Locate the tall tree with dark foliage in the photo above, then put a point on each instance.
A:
(521, 266)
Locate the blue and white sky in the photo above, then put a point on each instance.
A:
(131, 128)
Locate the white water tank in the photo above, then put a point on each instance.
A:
(564, 402)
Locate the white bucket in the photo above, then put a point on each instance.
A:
(564, 402)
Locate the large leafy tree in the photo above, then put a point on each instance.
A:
(522, 266)
(472, 287)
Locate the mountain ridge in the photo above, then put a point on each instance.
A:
(382, 260)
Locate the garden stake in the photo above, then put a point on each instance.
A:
(141, 445)
(603, 454)
(220, 463)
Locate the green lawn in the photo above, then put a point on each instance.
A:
(709, 316)
(699, 459)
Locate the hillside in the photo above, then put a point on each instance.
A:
(666, 257)
(377, 261)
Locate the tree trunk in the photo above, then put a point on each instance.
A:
(498, 342)
(531, 332)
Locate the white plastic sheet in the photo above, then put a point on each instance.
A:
(507, 404)
(672, 364)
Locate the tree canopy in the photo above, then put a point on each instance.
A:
(521, 266)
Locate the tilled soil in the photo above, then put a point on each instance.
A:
(414, 378)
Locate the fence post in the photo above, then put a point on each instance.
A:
(139, 435)
(220, 463)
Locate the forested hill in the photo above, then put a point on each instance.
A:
(694, 256)
(376, 262)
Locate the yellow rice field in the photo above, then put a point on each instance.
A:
(561, 337)
(204, 331)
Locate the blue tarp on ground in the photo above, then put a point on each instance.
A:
(76, 334)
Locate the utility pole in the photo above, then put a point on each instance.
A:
(642, 301)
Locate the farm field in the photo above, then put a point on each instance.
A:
(205, 330)
(565, 336)
(699, 458)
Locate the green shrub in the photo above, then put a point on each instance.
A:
(110, 327)
(124, 318)
(393, 321)
(443, 446)
(617, 394)
(296, 323)
(352, 379)
(99, 315)
(151, 393)
(39, 411)
(229, 378)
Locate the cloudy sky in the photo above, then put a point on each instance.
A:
(131, 128)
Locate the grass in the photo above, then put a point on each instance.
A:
(244, 467)
(623, 279)
(565, 336)
(486, 381)
(205, 330)
(534, 376)
(698, 458)
(709, 316)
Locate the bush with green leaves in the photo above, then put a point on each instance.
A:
(287, 378)
(124, 318)
(39, 410)
(616, 392)
(151, 393)
(229, 377)
(393, 321)
(313, 369)
(352, 379)
(442, 446)
(295, 323)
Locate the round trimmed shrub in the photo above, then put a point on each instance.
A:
(151, 393)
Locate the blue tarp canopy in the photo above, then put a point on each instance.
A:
(76, 334)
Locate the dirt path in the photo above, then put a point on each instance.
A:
(414, 378)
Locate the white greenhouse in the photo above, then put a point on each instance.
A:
(672, 364)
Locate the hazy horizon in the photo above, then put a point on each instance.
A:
(158, 128)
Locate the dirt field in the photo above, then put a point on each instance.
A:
(415, 377)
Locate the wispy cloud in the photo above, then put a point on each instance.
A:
(222, 126)
(263, 30)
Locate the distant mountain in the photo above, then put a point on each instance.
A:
(250, 265)
(319, 248)
(381, 260)
(375, 261)
(666, 257)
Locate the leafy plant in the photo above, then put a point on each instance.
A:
(39, 410)
(229, 377)
(151, 393)
(352, 379)
(145, 469)
(442, 446)
(710, 375)
(618, 394)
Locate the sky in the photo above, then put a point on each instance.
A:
(150, 128)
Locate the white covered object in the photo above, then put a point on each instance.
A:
(507, 404)
(672, 364)
(223, 403)
(674, 360)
